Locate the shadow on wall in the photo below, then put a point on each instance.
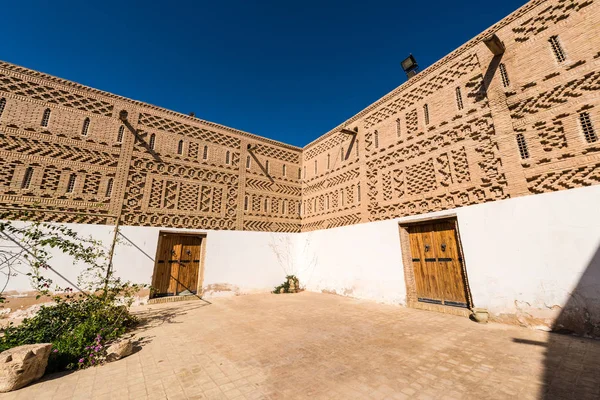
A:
(572, 364)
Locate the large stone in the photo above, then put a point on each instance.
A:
(22, 365)
(119, 349)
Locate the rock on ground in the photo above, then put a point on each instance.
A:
(119, 349)
(22, 365)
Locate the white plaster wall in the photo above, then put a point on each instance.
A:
(235, 262)
(528, 255)
(362, 261)
(524, 256)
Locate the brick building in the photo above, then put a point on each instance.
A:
(448, 193)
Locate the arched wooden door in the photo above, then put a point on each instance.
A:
(177, 266)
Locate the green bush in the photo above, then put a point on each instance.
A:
(78, 329)
(81, 325)
(290, 285)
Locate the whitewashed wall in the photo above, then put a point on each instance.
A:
(526, 258)
(362, 261)
(235, 263)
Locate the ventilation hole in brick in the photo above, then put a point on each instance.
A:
(120, 134)
(459, 99)
(71, 185)
(523, 150)
(109, 187)
(27, 178)
(46, 117)
(86, 127)
(2, 106)
(588, 129)
(557, 49)
(504, 75)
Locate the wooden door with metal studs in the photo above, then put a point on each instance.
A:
(177, 266)
(438, 265)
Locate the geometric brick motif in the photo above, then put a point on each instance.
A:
(48, 94)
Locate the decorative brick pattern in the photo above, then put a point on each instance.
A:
(463, 154)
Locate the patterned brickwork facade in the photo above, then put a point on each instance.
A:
(471, 128)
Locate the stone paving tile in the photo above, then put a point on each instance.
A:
(321, 346)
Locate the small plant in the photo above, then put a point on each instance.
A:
(290, 285)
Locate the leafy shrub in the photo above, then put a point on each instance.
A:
(290, 285)
(79, 326)
(78, 329)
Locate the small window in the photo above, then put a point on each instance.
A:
(299, 173)
(342, 191)
(27, 178)
(121, 134)
(557, 49)
(246, 203)
(356, 144)
(459, 100)
(328, 161)
(109, 187)
(504, 75)
(343, 154)
(248, 162)
(398, 127)
(152, 141)
(284, 206)
(227, 158)
(267, 166)
(299, 209)
(266, 205)
(2, 106)
(523, 150)
(376, 139)
(46, 117)
(71, 185)
(86, 127)
(328, 202)
(283, 170)
(304, 172)
(588, 129)
(316, 167)
(205, 153)
(180, 147)
(358, 193)
(426, 113)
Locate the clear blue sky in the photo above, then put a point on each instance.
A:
(286, 70)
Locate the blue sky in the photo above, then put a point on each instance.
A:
(285, 70)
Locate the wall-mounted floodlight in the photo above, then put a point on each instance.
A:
(495, 45)
(410, 66)
(348, 131)
(123, 115)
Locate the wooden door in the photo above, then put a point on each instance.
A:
(177, 265)
(437, 265)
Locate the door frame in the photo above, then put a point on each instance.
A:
(203, 238)
(409, 273)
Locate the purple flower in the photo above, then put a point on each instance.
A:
(55, 351)
(81, 361)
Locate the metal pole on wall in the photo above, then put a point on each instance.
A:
(123, 117)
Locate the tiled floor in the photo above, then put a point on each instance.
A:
(323, 346)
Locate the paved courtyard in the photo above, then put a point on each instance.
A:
(322, 346)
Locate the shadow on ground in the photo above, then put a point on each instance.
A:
(160, 314)
(572, 364)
